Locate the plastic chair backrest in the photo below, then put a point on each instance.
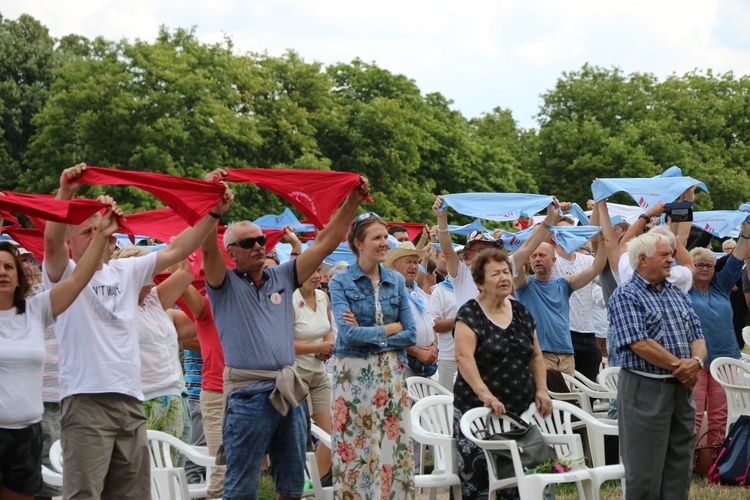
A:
(421, 387)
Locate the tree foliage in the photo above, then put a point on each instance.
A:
(183, 107)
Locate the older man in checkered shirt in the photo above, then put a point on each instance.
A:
(661, 349)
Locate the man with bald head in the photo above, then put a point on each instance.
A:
(253, 312)
(546, 297)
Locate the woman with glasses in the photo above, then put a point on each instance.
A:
(373, 453)
(710, 300)
(23, 319)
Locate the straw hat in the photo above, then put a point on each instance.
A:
(404, 249)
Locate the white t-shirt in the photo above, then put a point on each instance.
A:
(22, 362)
(423, 319)
(679, 276)
(443, 306)
(599, 313)
(463, 283)
(160, 352)
(98, 334)
(582, 300)
(310, 326)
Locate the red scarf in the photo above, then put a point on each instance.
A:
(316, 193)
(46, 207)
(190, 198)
(413, 228)
(31, 239)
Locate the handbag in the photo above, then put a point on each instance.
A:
(531, 447)
(705, 456)
(420, 368)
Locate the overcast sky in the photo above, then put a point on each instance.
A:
(481, 54)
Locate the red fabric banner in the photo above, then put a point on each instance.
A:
(413, 228)
(316, 193)
(31, 239)
(46, 207)
(192, 199)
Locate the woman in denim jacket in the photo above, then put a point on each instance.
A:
(373, 454)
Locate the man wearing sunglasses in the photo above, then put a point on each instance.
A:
(254, 316)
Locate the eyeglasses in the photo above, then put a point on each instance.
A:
(363, 217)
(249, 242)
(710, 267)
(27, 259)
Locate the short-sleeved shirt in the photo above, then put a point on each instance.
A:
(582, 300)
(256, 325)
(211, 351)
(639, 311)
(98, 334)
(502, 356)
(193, 376)
(547, 301)
(443, 306)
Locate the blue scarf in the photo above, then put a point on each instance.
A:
(719, 222)
(497, 206)
(415, 296)
(578, 213)
(466, 230)
(447, 284)
(646, 192)
(570, 238)
(286, 218)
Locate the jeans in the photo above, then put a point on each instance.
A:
(588, 354)
(252, 428)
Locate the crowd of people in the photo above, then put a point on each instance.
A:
(90, 346)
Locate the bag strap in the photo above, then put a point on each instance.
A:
(515, 418)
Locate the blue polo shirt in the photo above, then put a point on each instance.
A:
(547, 301)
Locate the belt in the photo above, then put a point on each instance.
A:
(669, 380)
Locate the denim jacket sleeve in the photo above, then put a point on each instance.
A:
(408, 336)
(353, 336)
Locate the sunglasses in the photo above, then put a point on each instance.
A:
(249, 242)
(363, 217)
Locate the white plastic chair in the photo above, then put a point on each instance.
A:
(477, 421)
(734, 377)
(609, 378)
(746, 335)
(432, 424)
(564, 419)
(421, 387)
(55, 457)
(318, 491)
(591, 384)
(169, 483)
(51, 477)
(160, 448)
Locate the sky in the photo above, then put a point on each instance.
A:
(480, 54)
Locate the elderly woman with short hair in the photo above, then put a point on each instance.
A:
(710, 300)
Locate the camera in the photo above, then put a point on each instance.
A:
(680, 212)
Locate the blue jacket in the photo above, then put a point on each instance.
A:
(352, 290)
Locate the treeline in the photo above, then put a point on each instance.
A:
(183, 107)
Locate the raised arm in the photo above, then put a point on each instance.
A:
(55, 250)
(540, 234)
(637, 227)
(195, 302)
(611, 245)
(330, 237)
(190, 239)
(579, 280)
(63, 295)
(446, 245)
(173, 287)
(214, 265)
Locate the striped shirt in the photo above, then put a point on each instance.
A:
(193, 378)
(639, 311)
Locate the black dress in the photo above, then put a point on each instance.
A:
(502, 356)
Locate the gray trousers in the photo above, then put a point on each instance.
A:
(657, 435)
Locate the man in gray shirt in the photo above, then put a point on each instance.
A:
(253, 312)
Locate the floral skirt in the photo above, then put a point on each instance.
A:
(373, 455)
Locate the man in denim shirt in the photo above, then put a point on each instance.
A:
(661, 350)
(253, 312)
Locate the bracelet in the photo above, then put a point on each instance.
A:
(745, 236)
(214, 215)
(546, 226)
(295, 254)
(446, 230)
(645, 218)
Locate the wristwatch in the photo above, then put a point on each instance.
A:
(699, 360)
(645, 217)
